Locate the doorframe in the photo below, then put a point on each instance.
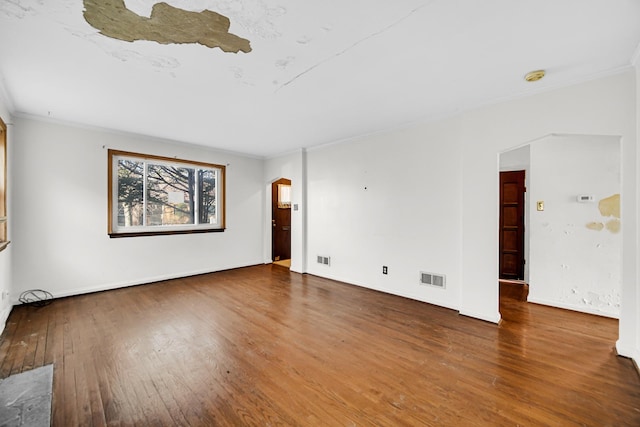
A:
(523, 237)
(525, 166)
(270, 217)
(530, 210)
(294, 167)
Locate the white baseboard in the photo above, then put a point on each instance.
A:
(391, 292)
(4, 315)
(629, 352)
(491, 318)
(581, 309)
(143, 281)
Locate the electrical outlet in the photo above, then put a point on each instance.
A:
(384, 269)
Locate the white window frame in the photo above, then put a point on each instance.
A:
(115, 230)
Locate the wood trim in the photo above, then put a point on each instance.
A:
(3, 245)
(222, 193)
(223, 174)
(162, 158)
(168, 232)
(110, 154)
(3, 181)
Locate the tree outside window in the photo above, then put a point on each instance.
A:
(161, 196)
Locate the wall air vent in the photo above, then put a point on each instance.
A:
(325, 260)
(432, 279)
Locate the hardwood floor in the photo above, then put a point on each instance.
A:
(263, 346)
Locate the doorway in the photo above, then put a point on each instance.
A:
(512, 210)
(573, 261)
(281, 222)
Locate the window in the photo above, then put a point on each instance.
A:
(151, 195)
(3, 185)
(284, 196)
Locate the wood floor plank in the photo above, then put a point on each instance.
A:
(263, 346)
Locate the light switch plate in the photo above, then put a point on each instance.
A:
(540, 205)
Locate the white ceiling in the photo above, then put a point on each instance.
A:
(319, 71)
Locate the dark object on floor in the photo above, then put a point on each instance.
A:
(25, 399)
(36, 297)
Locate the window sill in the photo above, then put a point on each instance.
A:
(3, 245)
(165, 233)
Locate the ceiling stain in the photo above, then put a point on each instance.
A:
(166, 25)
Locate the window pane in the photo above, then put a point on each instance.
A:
(207, 196)
(170, 192)
(152, 195)
(130, 193)
(284, 196)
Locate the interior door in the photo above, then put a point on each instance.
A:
(280, 221)
(512, 225)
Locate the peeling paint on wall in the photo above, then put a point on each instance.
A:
(608, 300)
(609, 206)
(166, 25)
(597, 226)
(575, 248)
(613, 225)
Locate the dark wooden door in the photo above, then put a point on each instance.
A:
(512, 225)
(280, 225)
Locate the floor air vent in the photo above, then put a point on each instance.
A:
(432, 279)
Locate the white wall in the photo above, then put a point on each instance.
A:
(516, 160)
(599, 107)
(6, 255)
(388, 200)
(431, 197)
(634, 310)
(60, 239)
(629, 331)
(291, 166)
(573, 266)
(629, 343)
(430, 203)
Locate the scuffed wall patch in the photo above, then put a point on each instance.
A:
(608, 301)
(166, 25)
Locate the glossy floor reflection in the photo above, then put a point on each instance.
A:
(264, 346)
